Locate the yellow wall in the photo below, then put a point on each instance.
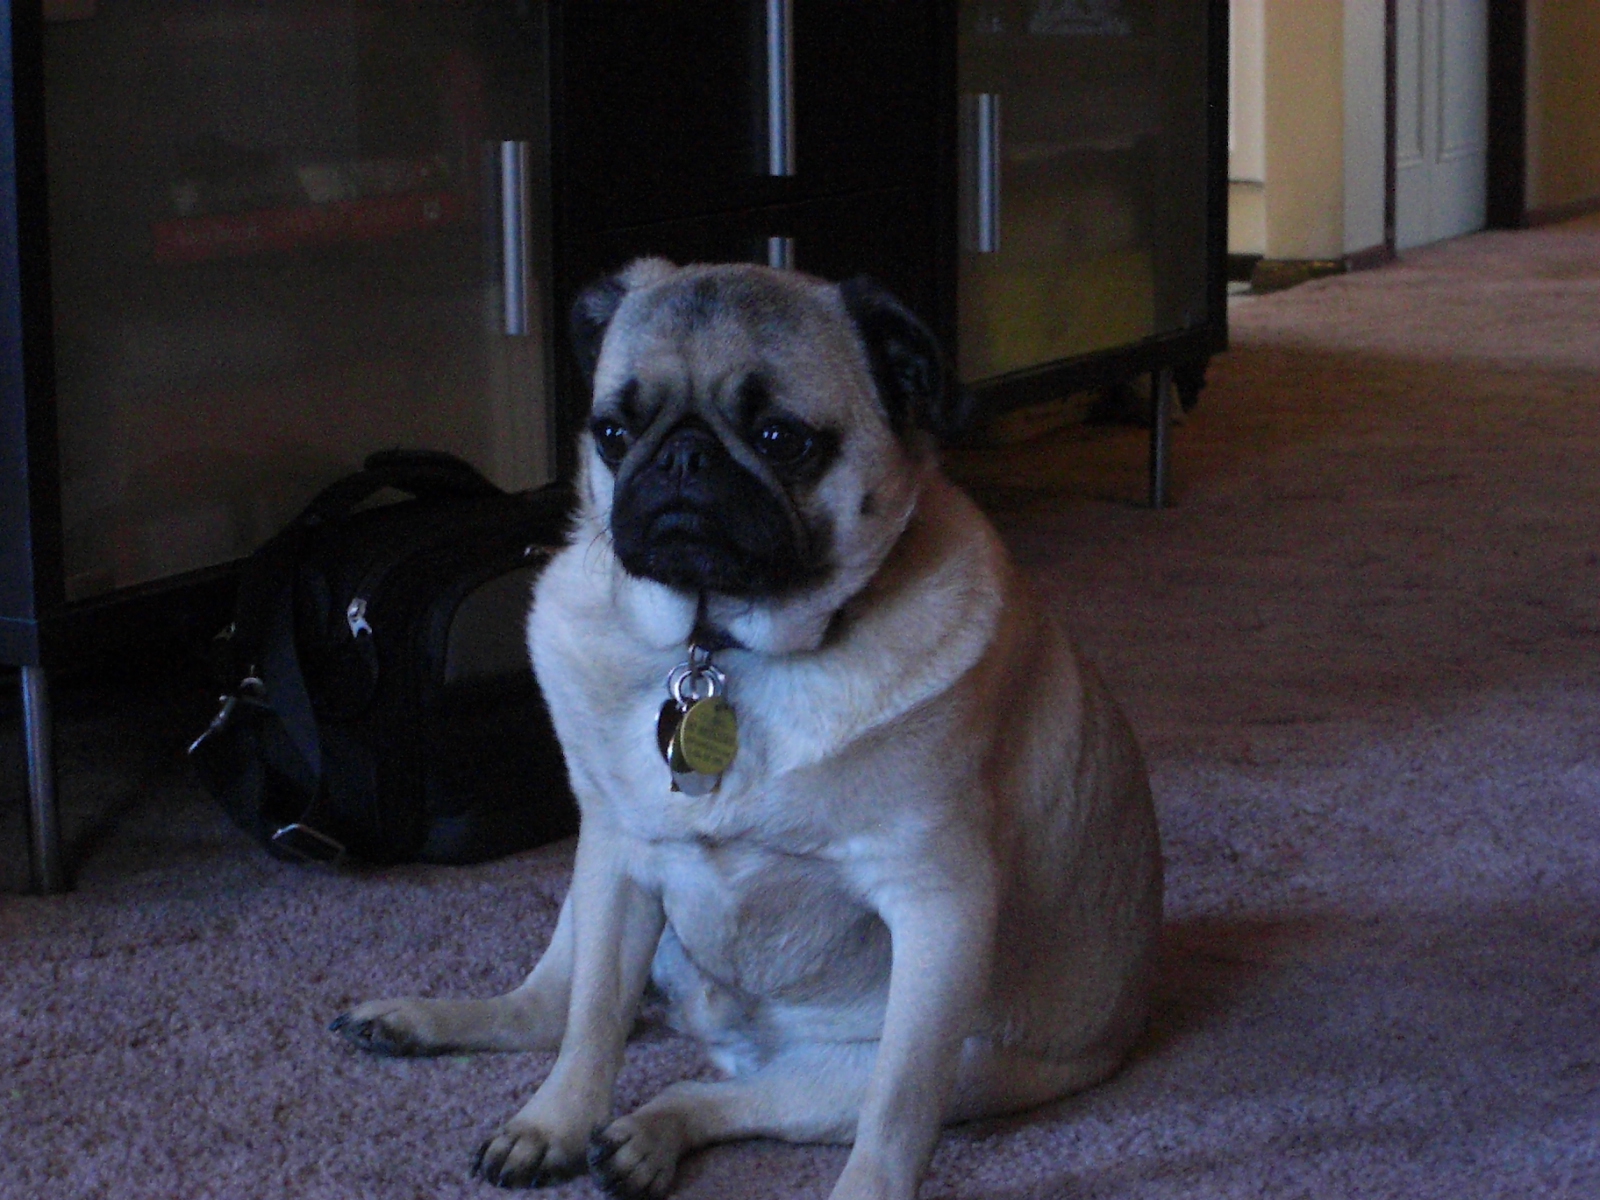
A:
(1563, 102)
(1247, 217)
(1304, 127)
(1307, 173)
(1293, 147)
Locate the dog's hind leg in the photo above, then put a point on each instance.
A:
(532, 1016)
(811, 1093)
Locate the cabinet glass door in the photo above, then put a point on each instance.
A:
(286, 233)
(1083, 189)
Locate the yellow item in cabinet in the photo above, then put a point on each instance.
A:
(1038, 312)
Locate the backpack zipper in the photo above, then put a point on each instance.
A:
(355, 613)
(355, 616)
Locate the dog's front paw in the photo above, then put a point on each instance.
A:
(525, 1154)
(397, 1027)
(635, 1159)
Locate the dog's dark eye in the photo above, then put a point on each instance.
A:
(611, 440)
(784, 444)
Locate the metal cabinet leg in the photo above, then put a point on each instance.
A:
(44, 822)
(1160, 436)
(1189, 379)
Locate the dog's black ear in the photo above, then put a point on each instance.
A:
(908, 367)
(591, 315)
(597, 304)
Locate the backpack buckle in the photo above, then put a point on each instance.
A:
(250, 691)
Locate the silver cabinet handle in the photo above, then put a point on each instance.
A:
(988, 168)
(514, 235)
(780, 253)
(780, 87)
(980, 120)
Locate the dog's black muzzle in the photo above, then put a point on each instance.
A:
(690, 516)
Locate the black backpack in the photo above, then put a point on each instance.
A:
(380, 703)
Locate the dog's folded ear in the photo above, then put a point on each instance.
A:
(591, 315)
(598, 303)
(914, 382)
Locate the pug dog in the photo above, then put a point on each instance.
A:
(903, 867)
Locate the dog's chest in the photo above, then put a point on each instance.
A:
(771, 924)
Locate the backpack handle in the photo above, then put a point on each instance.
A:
(425, 474)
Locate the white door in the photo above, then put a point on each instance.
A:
(1441, 119)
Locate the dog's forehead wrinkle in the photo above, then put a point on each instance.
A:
(730, 304)
(757, 300)
(652, 371)
(780, 326)
(751, 397)
(622, 400)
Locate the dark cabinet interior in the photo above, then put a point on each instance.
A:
(666, 104)
(245, 243)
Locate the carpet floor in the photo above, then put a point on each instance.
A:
(1363, 653)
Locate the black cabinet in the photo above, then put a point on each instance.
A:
(881, 233)
(672, 108)
(246, 242)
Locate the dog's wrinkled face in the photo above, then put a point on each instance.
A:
(754, 433)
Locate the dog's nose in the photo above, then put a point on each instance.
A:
(685, 454)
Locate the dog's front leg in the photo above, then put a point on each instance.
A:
(616, 926)
(941, 919)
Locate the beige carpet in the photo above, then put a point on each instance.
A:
(1364, 655)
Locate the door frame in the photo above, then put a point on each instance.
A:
(1507, 165)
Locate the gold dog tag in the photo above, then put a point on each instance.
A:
(708, 736)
